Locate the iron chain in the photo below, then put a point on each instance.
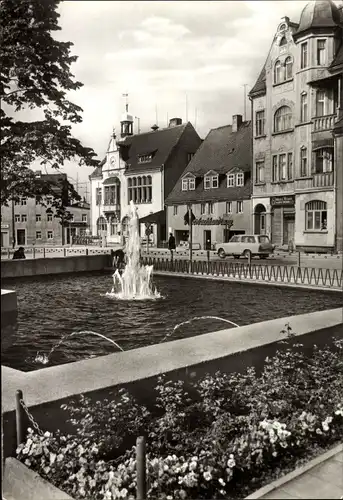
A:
(30, 417)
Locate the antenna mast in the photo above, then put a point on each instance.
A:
(245, 101)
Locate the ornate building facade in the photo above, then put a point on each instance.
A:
(296, 103)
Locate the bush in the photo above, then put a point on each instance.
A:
(221, 437)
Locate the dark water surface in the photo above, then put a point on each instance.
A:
(52, 306)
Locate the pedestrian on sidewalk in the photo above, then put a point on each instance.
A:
(19, 254)
(171, 244)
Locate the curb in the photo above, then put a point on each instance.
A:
(296, 473)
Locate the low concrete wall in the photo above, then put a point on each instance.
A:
(227, 350)
(58, 265)
(9, 315)
(22, 483)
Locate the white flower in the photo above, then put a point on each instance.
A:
(165, 467)
(207, 476)
(221, 481)
(52, 458)
(231, 462)
(47, 434)
(123, 493)
(193, 466)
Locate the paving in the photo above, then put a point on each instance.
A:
(324, 480)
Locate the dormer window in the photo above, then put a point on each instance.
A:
(188, 183)
(211, 180)
(230, 180)
(240, 179)
(144, 158)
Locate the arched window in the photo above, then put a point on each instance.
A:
(277, 72)
(129, 182)
(283, 41)
(139, 181)
(114, 225)
(288, 68)
(283, 119)
(143, 180)
(101, 226)
(316, 216)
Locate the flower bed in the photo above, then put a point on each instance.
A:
(222, 436)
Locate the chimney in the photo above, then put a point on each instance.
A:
(154, 127)
(236, 122)
(174, 122)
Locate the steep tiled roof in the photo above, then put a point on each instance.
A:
(159, 143)
(221, 151)
(260, 85)
(338, 60)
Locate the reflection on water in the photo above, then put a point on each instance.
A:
(51, 307)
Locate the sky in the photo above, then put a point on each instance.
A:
(187, 59)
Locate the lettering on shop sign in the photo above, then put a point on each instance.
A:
(213, 222)
(278, 201)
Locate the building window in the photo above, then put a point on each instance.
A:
(323, 160)
(189, 157)
(98, 196)
(17, 218)
(239, 207)
(316, 216)
(184, 184)
(175, 210)
(288, 68)
(289, 166)
(49, 200)
(211, 181)
(110, 195)
(260, 172)
(260, 122)
(49, 217)
(17, 202)
(274, 169)
(24, 218)
(303, 107)
(23, 201)
(229, 207)
(114, 226)
(240, 179)
(303, 162)
(202, 208)
(320, 103)
(231, 180)
(144, 158)
(38, 235)
(38, 218)
(282, 167)
(321, 52)
(191, 184)
(210, 207)
(283, 119)
(50, 235)
(140, 189)
(84, 217)
(303, 55)
(277, 72)
(101, 225)
(72, 218)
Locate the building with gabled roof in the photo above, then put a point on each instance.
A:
(143, 168)
(217, 185)
(296, 103)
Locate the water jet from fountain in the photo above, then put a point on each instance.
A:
(135, 281)
(45, 358)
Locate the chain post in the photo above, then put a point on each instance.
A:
(20, 411)
(141, 468)
(19, 417)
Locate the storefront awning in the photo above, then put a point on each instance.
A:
(156, 218)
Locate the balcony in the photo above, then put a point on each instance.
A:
(323, 180)
(322, 123)
(110, 206)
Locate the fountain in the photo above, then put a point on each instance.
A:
(45, 358)
(134, 283)
(196, 318)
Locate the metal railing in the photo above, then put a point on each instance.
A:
(45, 252)
(311, 276)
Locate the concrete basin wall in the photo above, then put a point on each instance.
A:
(58, 265)
(227, 350)
(9, 315)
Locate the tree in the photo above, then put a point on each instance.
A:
(35, 74)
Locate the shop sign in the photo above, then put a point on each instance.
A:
(213, 222)
(5, 226)
(281, 201)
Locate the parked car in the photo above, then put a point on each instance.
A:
(246, 245)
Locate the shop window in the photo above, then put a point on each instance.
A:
(316, 216)
(283, 119)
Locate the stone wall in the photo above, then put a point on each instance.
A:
(57, 265)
